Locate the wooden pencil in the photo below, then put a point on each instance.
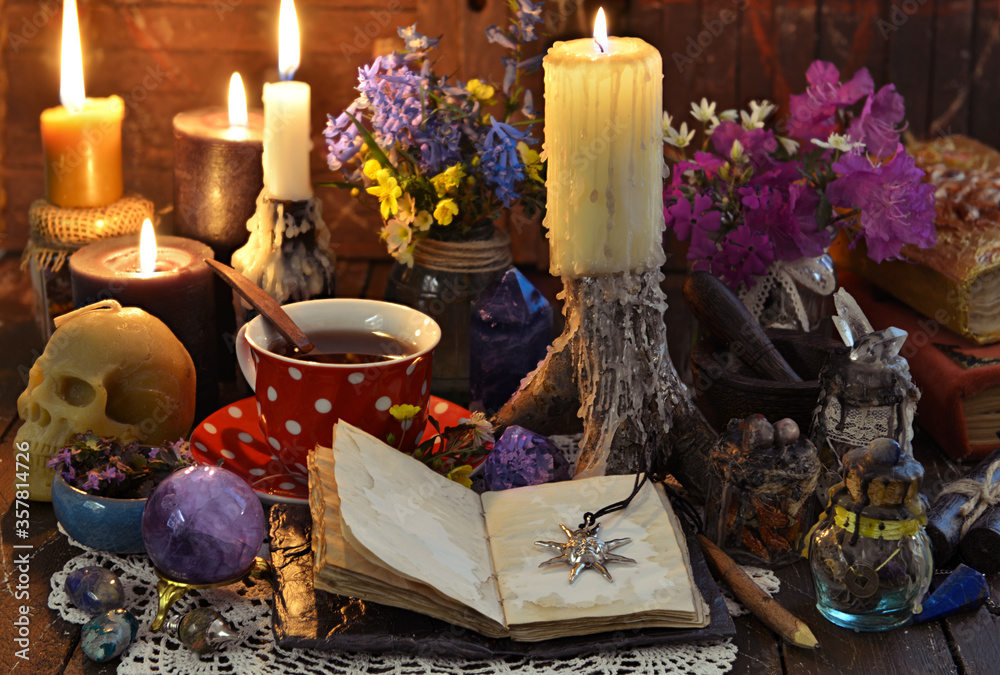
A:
(791, 629)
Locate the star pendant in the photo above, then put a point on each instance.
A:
(585, 550)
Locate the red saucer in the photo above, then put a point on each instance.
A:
(232, 435)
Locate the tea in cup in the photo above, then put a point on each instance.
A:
(369, 356)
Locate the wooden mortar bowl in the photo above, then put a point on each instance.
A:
(726, 389)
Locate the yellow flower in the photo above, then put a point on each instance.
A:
(371, 168)
(387, 191)
(481, 91)
(532, 161)
(445, 211)
(407, 209)
(403, 411)
(460, 474)
(448, 180)
(423, 221)
(405, 256)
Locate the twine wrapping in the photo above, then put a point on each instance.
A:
(981, 495)
(57, 232)
(491, 255)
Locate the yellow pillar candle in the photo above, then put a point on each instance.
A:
(604, 140)
(82, 138)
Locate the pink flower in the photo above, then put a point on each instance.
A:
(896, 207)
(876, 126)
(684, 218)
(812, 113)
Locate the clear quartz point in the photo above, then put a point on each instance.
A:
(878, 346)
(851, 322)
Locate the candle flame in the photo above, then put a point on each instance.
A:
(147, 248)
(71, 92)
(288, 40)
(237, 101)
(601, 32)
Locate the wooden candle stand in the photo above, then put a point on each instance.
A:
(611, 364)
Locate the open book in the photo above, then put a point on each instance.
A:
(389, 530)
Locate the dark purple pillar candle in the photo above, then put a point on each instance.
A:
(179, 293)
(218, 173)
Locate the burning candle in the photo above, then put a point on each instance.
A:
(168, 278)
(82, 138)
(286, 119)
(218, 172)
(603, 136)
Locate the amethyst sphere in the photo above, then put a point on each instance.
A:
(203, 525)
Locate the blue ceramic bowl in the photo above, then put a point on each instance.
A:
(102, 523)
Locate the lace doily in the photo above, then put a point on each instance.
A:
(248, 609)
(777, 293)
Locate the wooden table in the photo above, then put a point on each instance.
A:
(968, 644)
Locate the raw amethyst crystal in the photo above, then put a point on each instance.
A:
(510, 333)
(203, 525)
(521, 457)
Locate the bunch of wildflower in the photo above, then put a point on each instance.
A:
(440, 156)
(108, 468)
(454, 450)
(749, 197)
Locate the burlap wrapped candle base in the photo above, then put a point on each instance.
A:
(57, 232)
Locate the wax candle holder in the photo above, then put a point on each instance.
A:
(288, 253)
(57, 232)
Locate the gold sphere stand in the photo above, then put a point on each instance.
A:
(170, 591)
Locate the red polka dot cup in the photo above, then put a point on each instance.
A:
(299, 401)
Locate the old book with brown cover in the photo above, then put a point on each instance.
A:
(389, 530)
(957, 282)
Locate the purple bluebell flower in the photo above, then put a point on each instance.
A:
(509, 73)
(528, 105)
(531, 64)
(528, 15)
(414, 41)
(896, 207)
(500, 162)
(876, 125)
(496, 35)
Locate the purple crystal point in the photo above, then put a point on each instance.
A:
(203, 525)
(510, 333)
(521, 457)
(964, 590)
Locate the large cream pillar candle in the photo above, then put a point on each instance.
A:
(604, 141)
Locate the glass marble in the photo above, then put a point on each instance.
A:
(202, 630)
(107, 635)
(203, 525)
(95, 590)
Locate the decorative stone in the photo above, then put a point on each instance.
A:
(202, 630)
(510, 333)
(964, 590)
(203, 525)
(94, 590)
(521, 457)
(107, 635)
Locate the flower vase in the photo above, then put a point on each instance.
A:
(795, 294)
(102, 523)
(445, 279)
